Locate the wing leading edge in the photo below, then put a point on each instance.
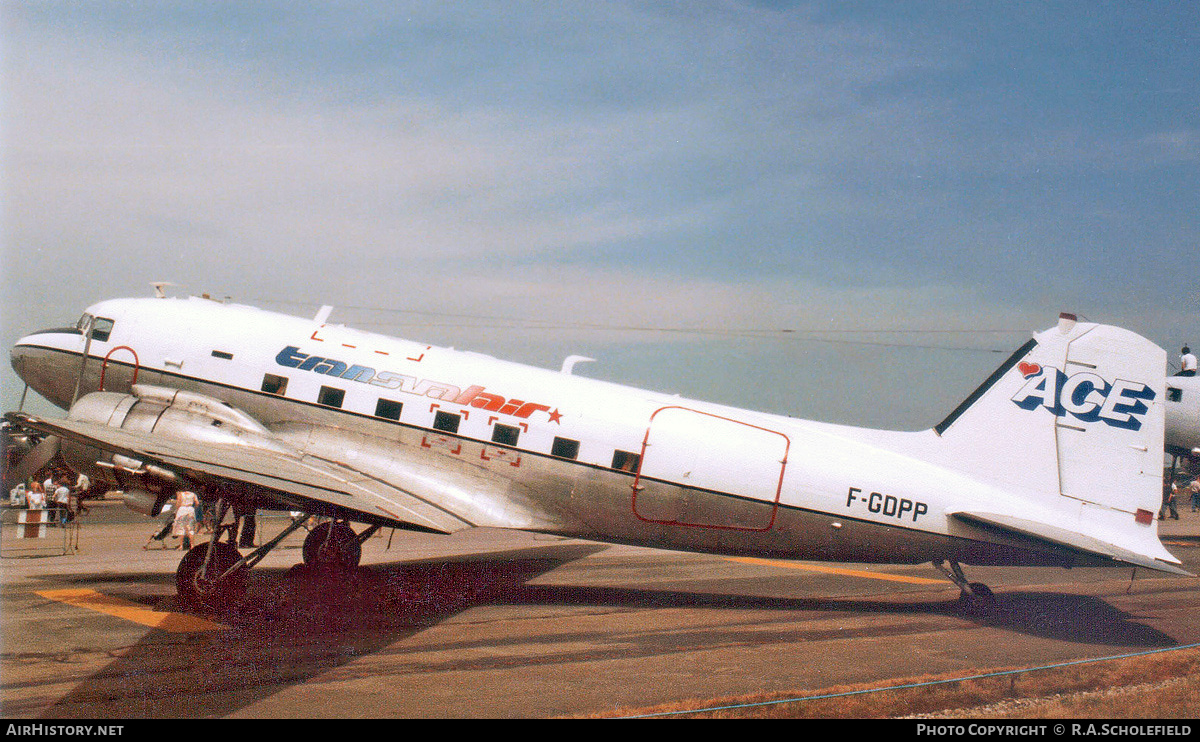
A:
(290, 480)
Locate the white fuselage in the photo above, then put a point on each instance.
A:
(1183, 414)
(603, 461)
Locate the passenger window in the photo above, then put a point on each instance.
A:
(388, 409)
(565, 448)
(625, 461)
(273, 384)
(446, 422)
(505, 435)
(101, 329)
(331, 396)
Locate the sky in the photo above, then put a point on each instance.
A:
(847, 211)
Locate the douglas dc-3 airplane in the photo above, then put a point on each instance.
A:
(1055, 460)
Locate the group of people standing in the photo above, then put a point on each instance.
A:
(57, 492)
(1171, 490)
(1172, 493)
(64, 497)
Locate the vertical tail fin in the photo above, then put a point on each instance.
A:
(1072, 425)
(1081, 407)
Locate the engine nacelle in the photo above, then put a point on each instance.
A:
(168, 414)
(144, 502)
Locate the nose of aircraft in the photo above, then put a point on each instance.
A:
(48, 362)
(17, 356)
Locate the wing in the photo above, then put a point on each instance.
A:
(425, 496)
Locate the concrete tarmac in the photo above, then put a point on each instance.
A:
(490, 623)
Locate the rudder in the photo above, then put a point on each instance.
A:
(1076, 414)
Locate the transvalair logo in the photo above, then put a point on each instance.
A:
(1085, 396)
(474, 396)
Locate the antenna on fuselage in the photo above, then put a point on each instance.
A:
(570, 361)
(158, 288)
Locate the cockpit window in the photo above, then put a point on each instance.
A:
(101, 329)
(83, 323)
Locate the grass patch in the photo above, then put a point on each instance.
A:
(1160, 685)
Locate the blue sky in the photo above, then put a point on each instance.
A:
(538, 179)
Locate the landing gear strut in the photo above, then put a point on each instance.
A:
(214, 574)
(332, 545)
(335, 546)
(974, 595)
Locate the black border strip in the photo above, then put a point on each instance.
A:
(1021, 352)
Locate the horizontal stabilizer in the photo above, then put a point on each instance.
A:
(1071, 539)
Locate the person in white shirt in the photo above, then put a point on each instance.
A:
(35, 498)
(62, 502)
(1187, 362)
(82, 485)
(185, 518)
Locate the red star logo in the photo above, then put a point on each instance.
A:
(556, 417)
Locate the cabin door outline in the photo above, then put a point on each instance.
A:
(703, 470)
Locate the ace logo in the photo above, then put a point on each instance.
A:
(1085, 396)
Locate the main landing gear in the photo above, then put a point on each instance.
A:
(975, 596)
(334, 546)
(211, 574)
(214, 574)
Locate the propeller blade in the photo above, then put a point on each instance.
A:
(40, 455)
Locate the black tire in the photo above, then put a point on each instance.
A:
(206, 589)
(979, 599)
(982, 591)
(339, 549)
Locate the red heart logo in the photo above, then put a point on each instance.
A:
(1028, 369)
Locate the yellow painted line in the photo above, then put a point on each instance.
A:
(838, 571)
(167, 621)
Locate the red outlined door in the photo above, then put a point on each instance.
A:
(109, 354)
(729, 470)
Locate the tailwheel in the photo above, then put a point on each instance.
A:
(332, 546)
(975, 596)
(208, 584)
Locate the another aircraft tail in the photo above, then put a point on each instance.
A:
(1072, 425)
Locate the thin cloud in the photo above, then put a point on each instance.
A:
(677, 165)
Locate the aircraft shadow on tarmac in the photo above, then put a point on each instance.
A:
(298, 625)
